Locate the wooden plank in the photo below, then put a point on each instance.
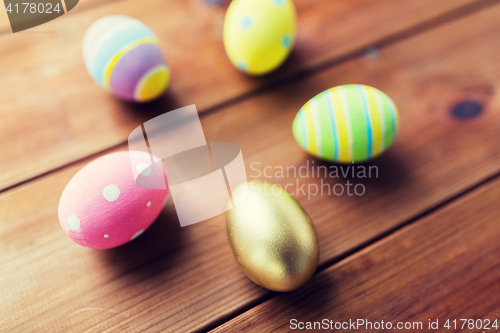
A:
(185, 279)
(444, 267)
(53, 114)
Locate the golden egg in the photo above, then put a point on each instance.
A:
(259, 34)
(272, 237)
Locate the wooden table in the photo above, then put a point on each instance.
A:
(422, 244)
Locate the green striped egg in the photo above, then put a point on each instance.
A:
(349, 123)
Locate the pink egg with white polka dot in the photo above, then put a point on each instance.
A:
(103, 207)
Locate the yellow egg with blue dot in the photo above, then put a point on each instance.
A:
(347, 124)
(259, 34)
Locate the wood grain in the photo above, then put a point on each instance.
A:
(446, 266)
(185, 279)
(53, 114)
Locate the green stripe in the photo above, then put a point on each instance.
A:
(380, 109)
(392, 109)
(303, 125)
(358, 123)
(389, 133)
(327, 144)
(368, 121)
(297, 130)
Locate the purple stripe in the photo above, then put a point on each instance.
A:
(131, 67)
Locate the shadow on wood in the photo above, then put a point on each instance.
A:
(146, 111)
(163, 238)
(308, 299)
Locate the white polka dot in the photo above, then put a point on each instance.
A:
(73, 222)
(72, 184)
(149, 203)
(137, 234)
(111, 192)
(106, 235)
(143, 169)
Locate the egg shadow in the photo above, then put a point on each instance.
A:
(316, 296)
(292, 68)
(146, 111)
(289, 70)
(162, 239)
(384, 174)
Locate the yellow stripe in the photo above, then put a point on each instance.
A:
(340, 121)
(381, 113)
(152, 84)
(375, 118)
(310, 129)
(108, 69)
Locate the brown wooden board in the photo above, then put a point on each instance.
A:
(186, 279)
(52, 113)
(443, 267)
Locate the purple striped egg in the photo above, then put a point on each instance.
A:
(124, 57)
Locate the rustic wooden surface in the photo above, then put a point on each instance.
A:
(431, 55)
(442, 267)
(53, 113)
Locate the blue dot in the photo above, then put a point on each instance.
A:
(286, 41)
(241, 64)
(246, 22)
(280, 3)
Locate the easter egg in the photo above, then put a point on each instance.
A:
(124, 57)
(350, 123)
(272, 237)
(259, 34)
(102, 206)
